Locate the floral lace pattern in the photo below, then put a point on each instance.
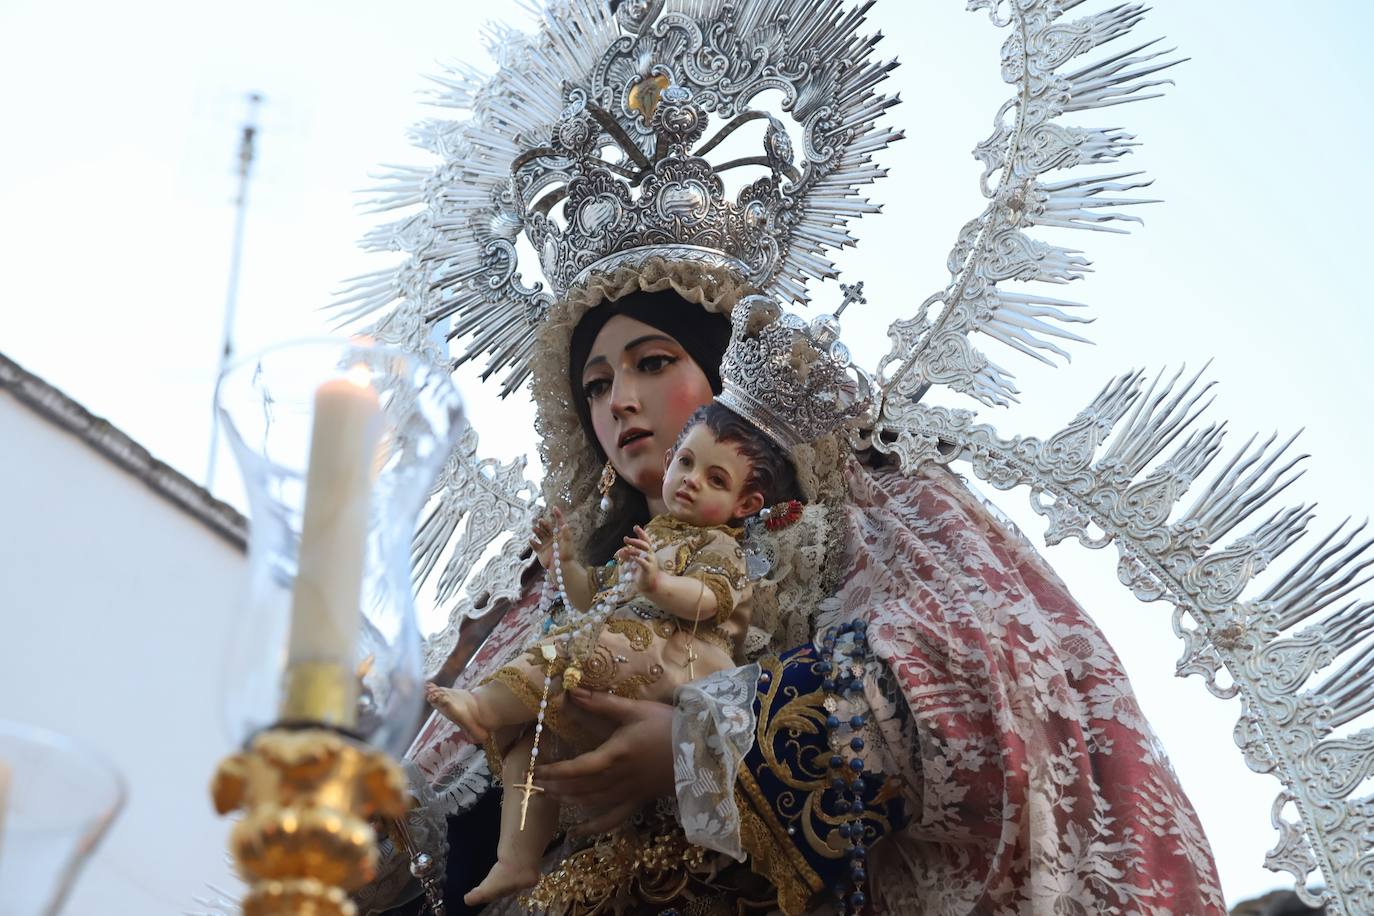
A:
(1035, 784)
(713, 728)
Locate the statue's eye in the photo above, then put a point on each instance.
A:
(656, 363)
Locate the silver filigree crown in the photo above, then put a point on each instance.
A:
(793, 380)
(590, 139)
(619, 213)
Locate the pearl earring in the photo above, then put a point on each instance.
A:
(604, 487)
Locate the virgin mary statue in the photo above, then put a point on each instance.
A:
(922, 719)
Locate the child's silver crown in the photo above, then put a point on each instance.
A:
(792, 380)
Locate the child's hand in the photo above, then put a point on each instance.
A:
(545, 530)
(637, 559)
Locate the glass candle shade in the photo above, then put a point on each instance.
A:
(57, 799)
(339, 443)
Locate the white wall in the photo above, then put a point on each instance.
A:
(114, 604)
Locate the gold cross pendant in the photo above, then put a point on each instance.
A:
(530, 788)
(691, 657)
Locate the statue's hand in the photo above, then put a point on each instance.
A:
(630, 768)
(546, 530)
(638, 560)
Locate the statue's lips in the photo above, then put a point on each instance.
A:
(630, 438)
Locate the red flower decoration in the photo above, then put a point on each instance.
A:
(783, 515)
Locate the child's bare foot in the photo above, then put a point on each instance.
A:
(503, 879)
(458, 706)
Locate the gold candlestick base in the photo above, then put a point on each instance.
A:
(306, 839)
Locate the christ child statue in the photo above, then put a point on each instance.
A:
(676, 603)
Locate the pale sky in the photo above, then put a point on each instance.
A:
(117, 176)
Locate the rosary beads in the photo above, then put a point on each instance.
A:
(589, 624)
(842, 676)
(584, 631)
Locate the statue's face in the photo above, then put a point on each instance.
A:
(641, 387)
(704, 481)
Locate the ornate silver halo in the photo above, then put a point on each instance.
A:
(640, 82)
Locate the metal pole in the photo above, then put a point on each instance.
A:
(250, 130)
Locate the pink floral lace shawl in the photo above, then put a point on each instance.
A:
(1035, 785)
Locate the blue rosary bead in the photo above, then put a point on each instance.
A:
(846, 830)
(856, 871)
(836, 761)
(857, 851)
(856, 722)
(832, 722)
(837, 784)
(856, 806)
(856, 743)
(856, 900)
(857, 764)
(824, 667)
(839, 890)
(828, 685)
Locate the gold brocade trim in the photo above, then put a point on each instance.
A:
(667, 525)
(514, 680)
(771, 851)
(495, 765)
(725, 598)
(618, 872)
(730, 568)
(668, 627)
(637, 632)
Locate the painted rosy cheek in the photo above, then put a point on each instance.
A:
(684, 395)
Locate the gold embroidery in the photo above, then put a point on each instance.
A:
(607, 877)
(514, 680)
(710, 561)
(632, 687)
(804, 714)
(637, 632)
(785, 716)
(725, 598)
(664, 527)
(771, 852)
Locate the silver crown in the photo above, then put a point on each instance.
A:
(589, 138)
(680, 201)
(792, 380)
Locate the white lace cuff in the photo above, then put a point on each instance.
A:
(713, 728)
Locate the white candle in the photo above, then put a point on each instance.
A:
(338, 489)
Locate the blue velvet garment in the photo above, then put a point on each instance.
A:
(810, 819)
